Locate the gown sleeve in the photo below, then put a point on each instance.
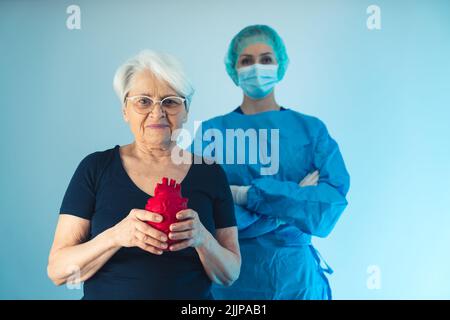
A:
(313, 209)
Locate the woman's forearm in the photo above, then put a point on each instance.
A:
(221, 265)
(80, 262)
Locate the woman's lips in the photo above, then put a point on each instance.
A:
(157, 126)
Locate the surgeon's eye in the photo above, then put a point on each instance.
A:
(266, 60)
(246, 61)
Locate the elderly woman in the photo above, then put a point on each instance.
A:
(103, 237)
(303, 194)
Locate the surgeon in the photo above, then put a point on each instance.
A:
(287, 176)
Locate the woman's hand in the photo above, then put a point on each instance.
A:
(190, 230)
(311, 179)
(133, 231)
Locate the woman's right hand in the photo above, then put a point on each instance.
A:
(133, 231)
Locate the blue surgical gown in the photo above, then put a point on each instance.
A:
(276, 225)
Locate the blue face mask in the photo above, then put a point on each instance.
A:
(257, 81)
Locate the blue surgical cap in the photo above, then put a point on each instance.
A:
(251, 35)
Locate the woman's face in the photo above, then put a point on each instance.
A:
(156, 127)
(256, 53)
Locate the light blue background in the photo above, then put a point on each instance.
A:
(383, 94)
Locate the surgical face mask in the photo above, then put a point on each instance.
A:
(257, 81)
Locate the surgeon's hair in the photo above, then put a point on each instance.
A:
(162, 65)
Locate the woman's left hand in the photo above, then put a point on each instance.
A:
(191, 231)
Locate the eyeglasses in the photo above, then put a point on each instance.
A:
(145, 104)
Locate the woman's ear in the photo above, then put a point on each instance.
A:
(124, 113)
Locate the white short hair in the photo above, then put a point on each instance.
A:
(162, 65)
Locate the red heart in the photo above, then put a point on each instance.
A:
(167, 202)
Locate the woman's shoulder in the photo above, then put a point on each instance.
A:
(100, 156)
(97, 160)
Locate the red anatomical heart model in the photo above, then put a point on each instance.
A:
(167, 201)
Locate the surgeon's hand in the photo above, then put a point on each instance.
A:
(239, 194)
(311, 179)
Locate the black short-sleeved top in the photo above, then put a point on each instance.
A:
(102, 192)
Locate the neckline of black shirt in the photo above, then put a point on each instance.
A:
(131, 182)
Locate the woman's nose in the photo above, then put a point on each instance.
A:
(157, 111)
